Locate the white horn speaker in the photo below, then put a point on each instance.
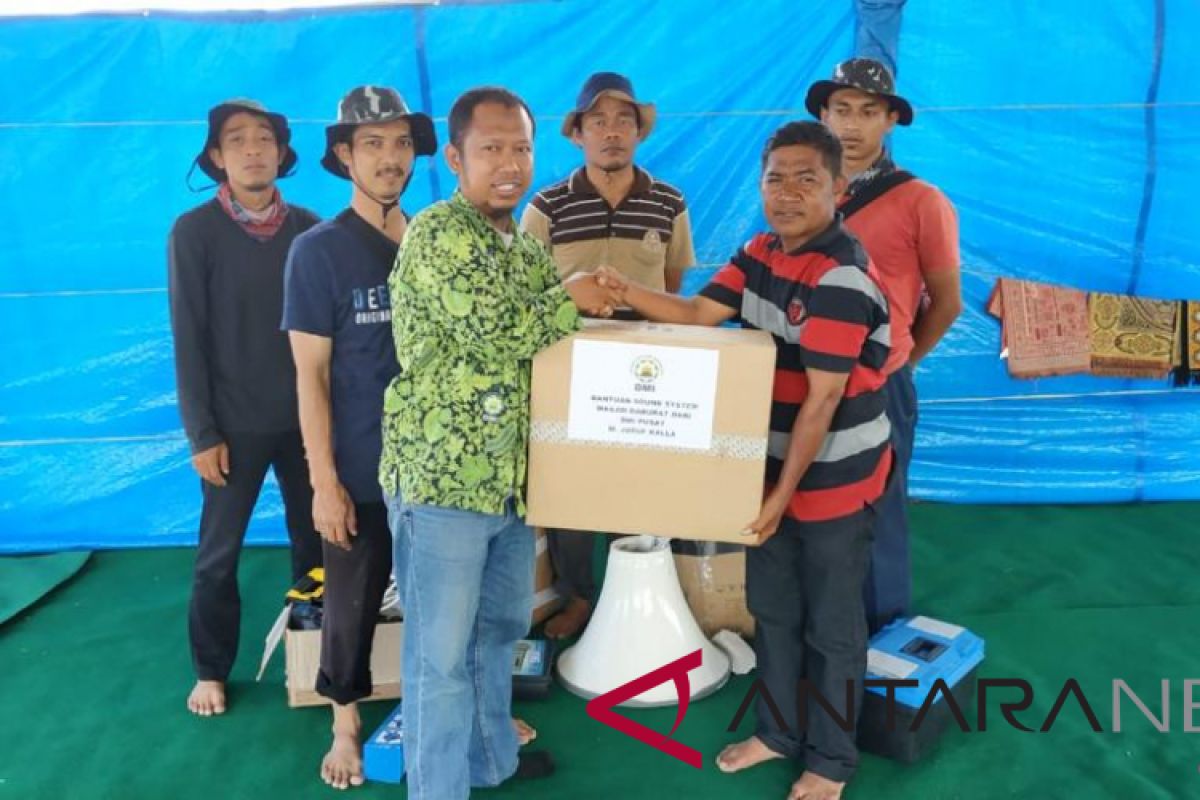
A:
(641, 622)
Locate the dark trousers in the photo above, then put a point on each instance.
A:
(888, 588)
(572, 554)
(355, 581)
(804, 588)
(215, 612)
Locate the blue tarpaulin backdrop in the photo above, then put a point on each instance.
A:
(1065, 133)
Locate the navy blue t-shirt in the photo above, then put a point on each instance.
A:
(335, 285)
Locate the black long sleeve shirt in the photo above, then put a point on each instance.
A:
(233, 366)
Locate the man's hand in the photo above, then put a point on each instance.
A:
(590, 297)
(610, 278)
(333, 514)
(213, 464)
(769, 518)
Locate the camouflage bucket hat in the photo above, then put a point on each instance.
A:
(365, 105)
(866, 75)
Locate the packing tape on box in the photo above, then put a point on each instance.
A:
(747, 448)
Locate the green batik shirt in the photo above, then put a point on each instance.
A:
(468, 315)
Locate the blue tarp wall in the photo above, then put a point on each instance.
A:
(1065, 132)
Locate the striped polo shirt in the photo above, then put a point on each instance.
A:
(647, 234)
(823, 306)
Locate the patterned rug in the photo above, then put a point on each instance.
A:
(1133, 336)
(1193, 335)
(1045, 328)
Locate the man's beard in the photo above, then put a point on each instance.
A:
(404, 179)
(614, 166)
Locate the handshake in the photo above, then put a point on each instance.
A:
(598, 293)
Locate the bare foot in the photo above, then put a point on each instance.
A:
(207, 698)
(526, 733)
(745, 754)
(342, 766)
(813, 787)
(570, 620)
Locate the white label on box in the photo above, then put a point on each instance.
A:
(642, 395)
(936, 627)
(886, 665)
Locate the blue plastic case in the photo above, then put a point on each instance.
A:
(383, 754)
(924, 650)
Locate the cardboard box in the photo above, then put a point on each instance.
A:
(545, 600)
(715, 589)
(640, 427)
(302, 650)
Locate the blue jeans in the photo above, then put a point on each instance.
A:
(466, 580)
(888, 587)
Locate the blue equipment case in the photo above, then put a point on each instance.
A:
(383, 754)
(921, 649)
(533, 660)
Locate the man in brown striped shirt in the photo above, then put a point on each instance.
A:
(609, 212)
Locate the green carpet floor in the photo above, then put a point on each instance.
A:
(26, 579)
(96, 677)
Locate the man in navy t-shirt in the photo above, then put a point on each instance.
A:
(338, 316)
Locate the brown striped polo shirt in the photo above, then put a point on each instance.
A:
(645, 236)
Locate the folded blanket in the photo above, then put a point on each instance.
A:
(1193, 334)
(1187, 368)
(1132, 336)
(1045, 328)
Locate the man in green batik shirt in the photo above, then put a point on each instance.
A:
(474, 300)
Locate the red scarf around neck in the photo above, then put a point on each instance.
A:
(261, 225)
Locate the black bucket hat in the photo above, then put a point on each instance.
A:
(610, 84)
(219, 114)
(866, 75)
(374, 105)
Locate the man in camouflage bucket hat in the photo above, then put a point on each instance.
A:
(910, 230)
(338, 313)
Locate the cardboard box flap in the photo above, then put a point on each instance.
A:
(680, 335)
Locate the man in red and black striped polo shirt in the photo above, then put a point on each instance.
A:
(810, 284)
